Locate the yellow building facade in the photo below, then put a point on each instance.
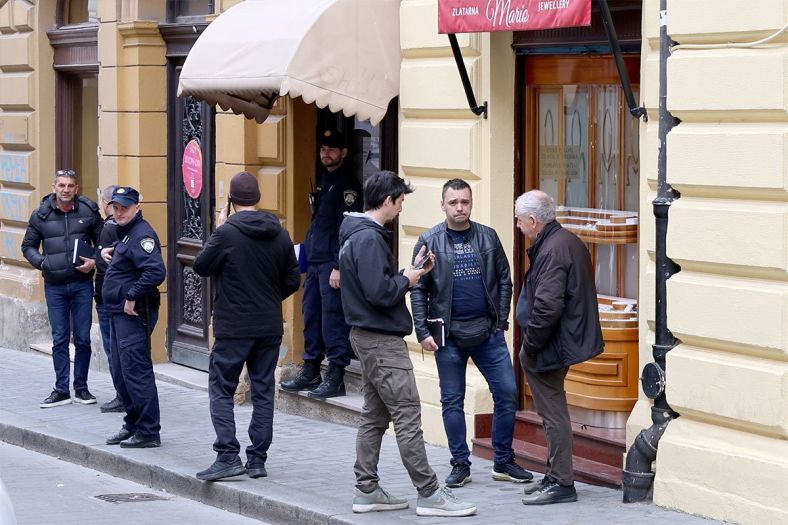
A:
(725, 457)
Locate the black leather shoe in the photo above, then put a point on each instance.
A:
(222, 469)
(122, 435)
(136, 441)
(256, 470)
(116, 405)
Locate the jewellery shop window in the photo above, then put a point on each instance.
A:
(585, 149)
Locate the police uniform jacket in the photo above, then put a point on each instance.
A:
(136, 269)
(57, 231)
(338, 192)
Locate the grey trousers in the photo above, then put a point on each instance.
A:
(390, 394)
(550, 400)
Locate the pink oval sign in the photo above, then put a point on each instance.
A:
(191, 167)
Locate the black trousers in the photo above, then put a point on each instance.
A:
(325, 330)
(227, 360)
(132, 373)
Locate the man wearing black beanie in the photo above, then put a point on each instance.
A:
(251, 260)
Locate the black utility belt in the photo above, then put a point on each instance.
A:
(149, 302)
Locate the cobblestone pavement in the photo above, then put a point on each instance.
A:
(310, 463)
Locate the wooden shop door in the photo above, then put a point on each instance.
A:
(581, 147)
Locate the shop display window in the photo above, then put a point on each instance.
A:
(587, 158)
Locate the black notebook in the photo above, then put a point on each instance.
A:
(437, 330)
(81, 249)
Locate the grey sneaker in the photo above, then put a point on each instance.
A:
(377, 500)
(443, 503)
(533, 485)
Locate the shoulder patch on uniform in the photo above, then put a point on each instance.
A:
(148, 244)
(350, 197)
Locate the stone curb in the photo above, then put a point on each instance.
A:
(279, 505)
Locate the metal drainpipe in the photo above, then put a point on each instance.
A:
(638, 478)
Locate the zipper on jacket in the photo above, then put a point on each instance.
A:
(68, 234)
(481, 273)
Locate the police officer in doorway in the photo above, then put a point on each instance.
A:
(325, 331)
(131, 297)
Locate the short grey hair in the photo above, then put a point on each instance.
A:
(536, 203)
(106, 193)
(69, 174)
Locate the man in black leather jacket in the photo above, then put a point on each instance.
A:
(470, 290)
(63, 218)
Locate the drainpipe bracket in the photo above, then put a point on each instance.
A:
(653, 380)
(481, 110)
(639, 112)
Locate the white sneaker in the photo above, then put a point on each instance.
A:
(376, 501)
(443, 503)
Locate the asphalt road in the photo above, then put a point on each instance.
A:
(47, 491)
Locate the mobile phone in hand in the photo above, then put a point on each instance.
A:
(422, 262)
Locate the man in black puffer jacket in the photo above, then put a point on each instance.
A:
(63, 218)
(253, 265)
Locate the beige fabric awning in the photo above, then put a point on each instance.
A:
(344, 54)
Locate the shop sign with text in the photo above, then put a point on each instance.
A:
(478, 16)
(191, 168)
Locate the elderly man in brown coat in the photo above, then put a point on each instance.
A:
(558, 314)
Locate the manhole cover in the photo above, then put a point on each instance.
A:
(131, 497)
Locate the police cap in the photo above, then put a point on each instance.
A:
(332, 139)
(125, 196)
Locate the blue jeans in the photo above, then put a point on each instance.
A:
(70, 306)
(493, 361)
(105, 325)
(104, 318)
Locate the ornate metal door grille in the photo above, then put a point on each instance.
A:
(189, 227)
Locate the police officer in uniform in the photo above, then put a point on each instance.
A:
(131, 297)
(325, 331)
